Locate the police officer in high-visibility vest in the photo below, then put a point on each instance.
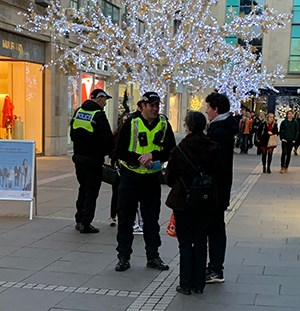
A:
(92, 140)
(145, 142)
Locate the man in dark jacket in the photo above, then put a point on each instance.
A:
(92, 140)
(222, 129)
(288, 134)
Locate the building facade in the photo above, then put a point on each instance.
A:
(38, 104)
(281, 46)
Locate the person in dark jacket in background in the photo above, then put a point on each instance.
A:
(92, 140)
(222, 129)
(192, 225)
(266, 129)
(288, 134)
(297, 142)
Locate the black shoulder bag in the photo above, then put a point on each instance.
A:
(202, 194)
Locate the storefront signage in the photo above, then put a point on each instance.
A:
(22, 48)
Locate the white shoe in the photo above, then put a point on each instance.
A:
(137, 229)
(112, 222)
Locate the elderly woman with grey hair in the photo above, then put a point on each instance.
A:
(192, 225)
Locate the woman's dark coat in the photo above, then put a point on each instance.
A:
(263, 135)
(201, 151)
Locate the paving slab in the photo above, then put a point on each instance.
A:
(51, 266)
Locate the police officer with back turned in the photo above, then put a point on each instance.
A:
(92, 140)
(145, 142)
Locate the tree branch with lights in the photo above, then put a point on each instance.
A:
(196, 55)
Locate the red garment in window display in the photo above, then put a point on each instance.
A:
(7, 113)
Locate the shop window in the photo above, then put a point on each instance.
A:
(175, 100)
(21, 102)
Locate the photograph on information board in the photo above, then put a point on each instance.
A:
(16, 169)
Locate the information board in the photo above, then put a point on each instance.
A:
(17, 171)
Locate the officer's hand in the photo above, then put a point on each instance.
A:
(145, 159)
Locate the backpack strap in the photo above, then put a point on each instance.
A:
(197, 170)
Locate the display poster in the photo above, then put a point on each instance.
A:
(17, 167)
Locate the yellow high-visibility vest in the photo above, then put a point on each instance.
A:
(138, 126)
(84, 119)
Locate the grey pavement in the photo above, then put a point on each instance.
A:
(45, 265)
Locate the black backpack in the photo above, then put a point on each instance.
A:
(202, 193)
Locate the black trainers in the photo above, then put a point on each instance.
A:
(184, 291)
(214, 277)
(77, 226)
(122, 265)
(157, 263)
(197, 290)
(88, 229)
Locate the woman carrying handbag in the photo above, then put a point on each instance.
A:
(267, 131)
(192, 223)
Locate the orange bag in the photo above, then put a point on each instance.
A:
(171, 229)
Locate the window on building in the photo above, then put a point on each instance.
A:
(177, 22)
(111, 10)
(244, 7)
(294, 63)
(75, 4)
(141, 27)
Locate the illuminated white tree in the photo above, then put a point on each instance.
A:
(196, 55)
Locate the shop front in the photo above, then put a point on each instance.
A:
(21, 88)
(79, 90)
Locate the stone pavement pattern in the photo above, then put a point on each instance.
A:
(45, 265)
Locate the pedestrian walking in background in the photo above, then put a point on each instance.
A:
(92, 140)
(238, 117)
(266, 129)
(192, 225)
(144, 143)
(297, 142)
(222, 129)
(245, 130)
(288, 133)
(255, 125)
(253, 116)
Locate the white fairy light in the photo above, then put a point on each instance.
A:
(197, 55)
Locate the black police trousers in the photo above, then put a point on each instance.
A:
(133, 189)
(89, 176)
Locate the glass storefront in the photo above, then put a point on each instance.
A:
(21, 101)
(79, 90)
(175, 100)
